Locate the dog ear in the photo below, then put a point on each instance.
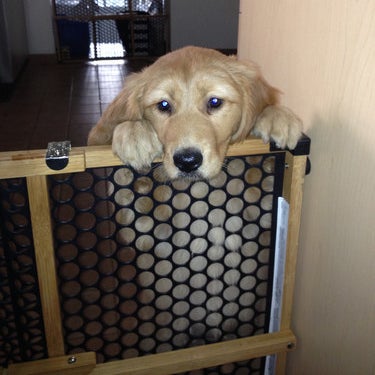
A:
(256, 93)
(262, 114)
(125, 107)
(123, 124)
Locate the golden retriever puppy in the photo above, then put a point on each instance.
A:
(188, 107)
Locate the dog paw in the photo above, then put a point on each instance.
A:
(279, 124)
(135, 145)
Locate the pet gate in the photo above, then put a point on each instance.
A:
(109, 29)
(108, 271)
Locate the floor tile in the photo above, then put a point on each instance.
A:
(53, 101)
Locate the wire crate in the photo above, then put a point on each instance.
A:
(108, 270)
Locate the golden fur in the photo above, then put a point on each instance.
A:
(189, 106)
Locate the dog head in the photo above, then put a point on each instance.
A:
(189, 106)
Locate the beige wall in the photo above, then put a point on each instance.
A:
(322, 55)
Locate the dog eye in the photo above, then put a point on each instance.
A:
(214, 103)
(164, 106)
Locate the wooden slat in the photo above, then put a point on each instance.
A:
(250, 146)
(84, 363)
(45, 262)
(292, 192)
(32, 163)
(201, 356)
(293, 189)
(102, 156)
(281, 363)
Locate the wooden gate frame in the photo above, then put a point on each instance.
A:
(32, 165)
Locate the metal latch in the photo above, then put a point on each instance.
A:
(57, 155)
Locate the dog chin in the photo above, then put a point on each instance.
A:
(196, 175)
(191, 176)
(165, 175)
(173, 174)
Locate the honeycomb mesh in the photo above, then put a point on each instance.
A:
(21, 326)
(108, 29)
(147, 267)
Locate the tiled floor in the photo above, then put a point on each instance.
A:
(55, 102)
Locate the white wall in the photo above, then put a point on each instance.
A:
(207, 23)
(322, 55)
(39, 27)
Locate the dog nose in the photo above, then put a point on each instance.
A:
(188, 159)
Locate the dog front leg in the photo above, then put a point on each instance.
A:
(136, 144)
(280, 124)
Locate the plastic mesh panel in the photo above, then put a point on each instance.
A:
(148, 267)
(21, 326)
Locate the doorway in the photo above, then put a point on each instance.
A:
(110, 29)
